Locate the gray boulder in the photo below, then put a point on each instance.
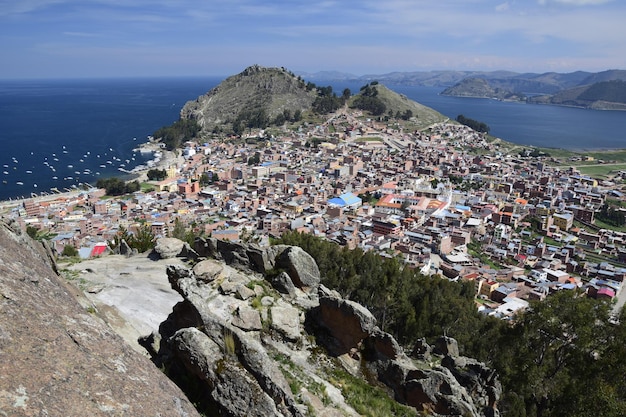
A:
(59, 359)
(479, 380)
(439, 392)
(421, 350)
(382, 345)
(301, 268)
(347, 322)
(247, 319)
(445, 345)
(283, 284)
(196, 311)
(169, 247)
(286, 321)
(232, 390)
(208, 270)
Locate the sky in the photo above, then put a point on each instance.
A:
(137, 38)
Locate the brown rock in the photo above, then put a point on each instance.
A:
(58, 358)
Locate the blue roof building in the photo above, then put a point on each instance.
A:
(347, 200)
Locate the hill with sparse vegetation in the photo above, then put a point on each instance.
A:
(259, 98)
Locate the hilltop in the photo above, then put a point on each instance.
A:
(258, 92)
(603, 95)
(260, 98)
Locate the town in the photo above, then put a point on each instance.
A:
(447, 200)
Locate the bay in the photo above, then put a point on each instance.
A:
(524, 124)
(85, 129)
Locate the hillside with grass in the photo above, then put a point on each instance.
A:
(388, 104)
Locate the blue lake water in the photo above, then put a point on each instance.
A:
(59, 133)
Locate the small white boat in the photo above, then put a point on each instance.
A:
(19, 183)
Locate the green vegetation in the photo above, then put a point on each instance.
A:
(612, 215)
(255, 159)
(70, 251)
(142, 240)
(613, 91)
(368, 100)
(406, 304)
(251, 119)
(562, 357)
(229, 343)
(116, 186)
(180, 131)
(327, 101)
(366, 399)
(37, 234)
(474, 124)
(156, 174)
(183, 233)
(600, 170)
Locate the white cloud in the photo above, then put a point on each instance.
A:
(503, 7)
(575, 2)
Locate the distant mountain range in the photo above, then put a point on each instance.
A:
(601, 90)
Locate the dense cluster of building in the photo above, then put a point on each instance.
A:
(445, 199)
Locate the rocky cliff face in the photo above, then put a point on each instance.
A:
(57, 358)
(257, 334)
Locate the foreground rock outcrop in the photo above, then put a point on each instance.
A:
(257, 334)
(58, 358)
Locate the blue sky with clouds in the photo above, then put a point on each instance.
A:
(102, 38)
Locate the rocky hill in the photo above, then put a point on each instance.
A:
(58, 358)
(257, 335)
(603, 95)
(269, 91)
(259, 96)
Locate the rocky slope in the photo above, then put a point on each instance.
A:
(58, 358)
(604, 95)
(272, 90)
(256, 334)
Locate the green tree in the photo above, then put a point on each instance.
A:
(556, 353)
(255, 159)
(156, 174)
(32, 231)
(474, 124)
(180, 131)
(70, 251)
(117, 186)
(143, 240)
